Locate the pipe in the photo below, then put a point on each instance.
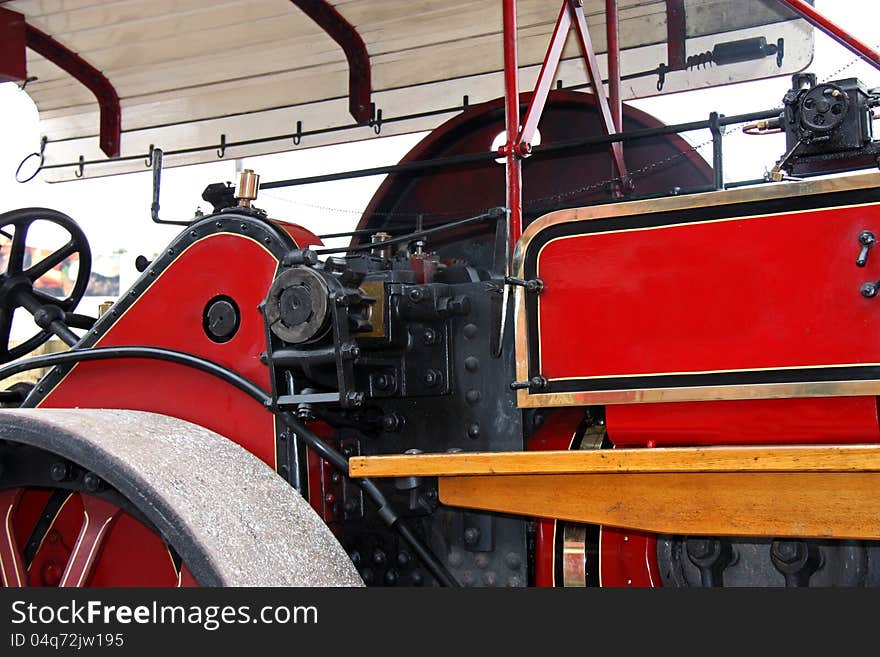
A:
(513, 166)
(612, 26)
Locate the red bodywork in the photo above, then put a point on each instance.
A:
(229, 264)
(226, 264)
(752, 293)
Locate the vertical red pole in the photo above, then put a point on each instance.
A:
(511, 107)
(612, 25)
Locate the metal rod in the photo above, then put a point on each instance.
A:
(545, 77)
(612, 28)
(543, 149)
(408, 167)
(513, 166)
(833, 30)
(583, 33)
(717, 150)
(493, 213)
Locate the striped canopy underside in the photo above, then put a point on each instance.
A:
(189, 71)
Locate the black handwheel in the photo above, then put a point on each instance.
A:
(17, 284)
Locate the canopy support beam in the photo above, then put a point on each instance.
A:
(344, 34)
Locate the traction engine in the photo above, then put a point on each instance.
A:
(651, 386)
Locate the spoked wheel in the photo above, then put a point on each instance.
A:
(126, 498)
(59, 537)
(25, 278)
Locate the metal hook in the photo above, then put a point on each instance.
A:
(80, 170)
(149, 161)
(26, 82)
(40, 154)
(375, 119)
(221, 152)
(297, 138)
(661, 76)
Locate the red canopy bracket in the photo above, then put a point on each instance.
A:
(13, 63)
(344, 34)
(97, 83)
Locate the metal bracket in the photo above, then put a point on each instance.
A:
(534, 384)
(535, 285)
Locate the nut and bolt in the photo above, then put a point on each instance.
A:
(433, 378)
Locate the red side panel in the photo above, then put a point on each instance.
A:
(628, 558)
(303, 237)
(169, 314)
(779, 291)
(766, 421)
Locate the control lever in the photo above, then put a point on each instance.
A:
(867, 240)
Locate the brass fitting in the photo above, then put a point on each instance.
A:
(248, 186)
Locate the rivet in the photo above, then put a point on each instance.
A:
(472, 396)
(470, 330)
(471, 364)
(473, 430)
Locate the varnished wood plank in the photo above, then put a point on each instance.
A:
(843, 458)
(809, 505)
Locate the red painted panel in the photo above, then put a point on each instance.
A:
(169, 314)
(628, 558)
(302, 237)
(13, 62)
(766, 292)
(768, 421)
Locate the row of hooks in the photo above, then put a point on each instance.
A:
(376, 121)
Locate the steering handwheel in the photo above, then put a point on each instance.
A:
(17, 284)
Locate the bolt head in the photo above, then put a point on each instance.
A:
(700, 548)
(432, 378)
(59, 471)
(429, 337)
(416, 295)
(868, 290)
(471, 536)
(92, 482)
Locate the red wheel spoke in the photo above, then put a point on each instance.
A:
(12, 571)
(98, 517)
(51, 261)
